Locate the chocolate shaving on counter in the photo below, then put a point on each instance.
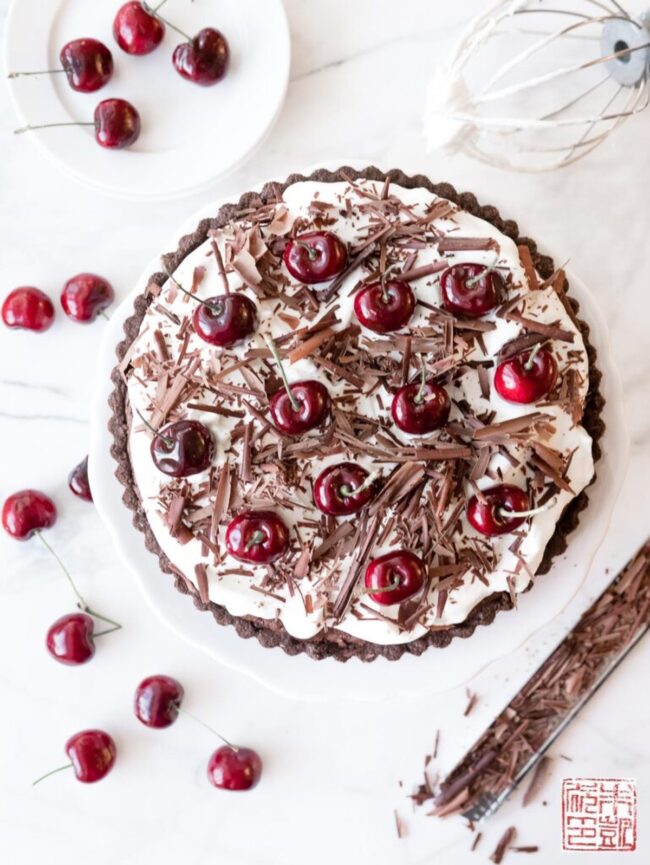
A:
(619, 616)
(506, 840)
(536, 780)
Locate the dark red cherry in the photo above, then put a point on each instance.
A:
(527, 376)
(234, 768)
(85, 296)
(157, 701)
(335, 486)
(117, 124)
(70, 639)
(136, 31)
(92, 754)
(78, 481)
(88, 64)
(225, 319)
(419, 410)
(258, 537)
(395, 576)
(204, 59)
(27, 512)
(311, 405)
(28, 308)
(316, 256)
(491, 514)
(386, 308)
(471, 290)
(182, 448)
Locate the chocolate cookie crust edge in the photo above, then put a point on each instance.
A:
(330, 642)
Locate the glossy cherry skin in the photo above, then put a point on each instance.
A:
(399, 573)
(135, 30)
(157, 701)
(333, 489)
(85, 296)
(515, 383)
(314, 405)
(258, 537)
(70, 639)
(182, 448)
(92, 754)
(472, 300)
(316, 256)
(227, 320)
(78, 481)
(88, 64)
(27, 512)
(117, 124)
(485, 516)
(204, 59)
(385, 309)
(28, 308)
(420, 417)
(234, 768)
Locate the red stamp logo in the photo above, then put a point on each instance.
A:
(599, 814)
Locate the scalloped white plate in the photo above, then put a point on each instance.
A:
(191, 135)
(436, 670)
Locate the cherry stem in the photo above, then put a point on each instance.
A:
(256, 538)
(52, 772)
(82, 602)
(95, 615)
(347, 491)
(40, 72)
(419, 397)
(155, 14)
(104, 315)
(169, 442)
(49, 126)
(311, 252)
(509, 515)
(479, 276)
(531, 358)
(394, 584)
(384, 293)
(213, 307)
(207, 726)
(295, 405)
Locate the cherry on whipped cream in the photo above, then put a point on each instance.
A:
(202, 59)
(315, 256)
(498, 510)
(394, 577)
(157, 701)
(385, 307)
(420, 407)
(304, 406)
(182, 448)
(471, 290)
(70, 639)
(87, 63)
(27, 308)
(257, 537)
(225, 319)
(136, 30)
(234, 768)
(526, 377)
(343, 489)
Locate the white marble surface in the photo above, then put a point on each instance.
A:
(331, 770)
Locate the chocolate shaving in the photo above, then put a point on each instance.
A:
(201, 572)
(452, 243)
(506, 840)
(536, 780)
(526, 260)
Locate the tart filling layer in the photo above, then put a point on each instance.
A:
(424, 481)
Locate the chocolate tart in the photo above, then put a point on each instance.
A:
(332, 642)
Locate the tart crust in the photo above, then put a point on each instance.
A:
(330, 642)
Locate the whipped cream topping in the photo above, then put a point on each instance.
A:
(303, 588)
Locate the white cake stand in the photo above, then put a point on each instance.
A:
(542, 614)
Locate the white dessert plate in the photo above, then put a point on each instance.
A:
(550, 603)
(191, 135)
